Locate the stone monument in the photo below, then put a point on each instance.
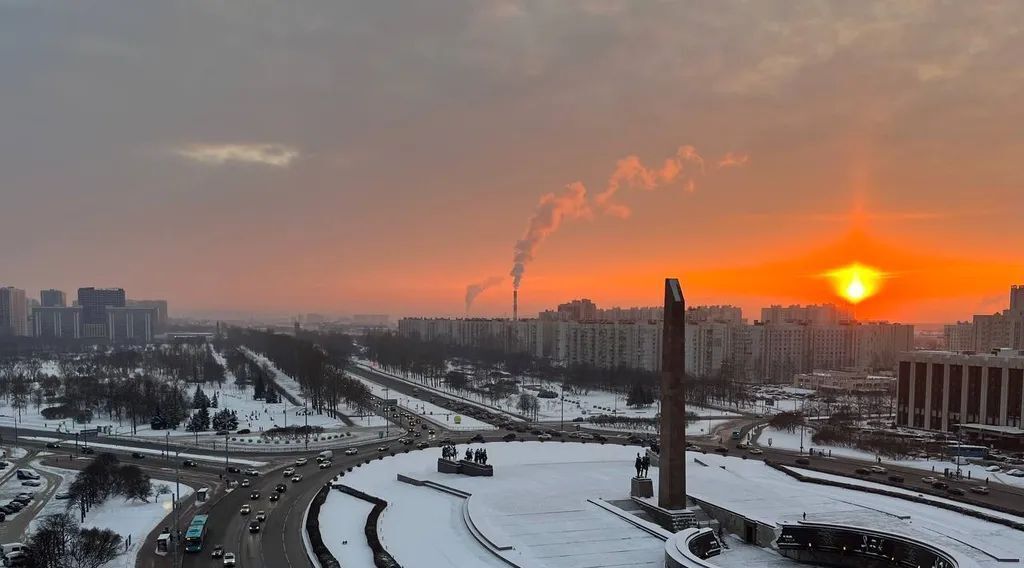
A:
(672, 455)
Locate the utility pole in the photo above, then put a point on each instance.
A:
(225, 451)
(167, 445)
(305, 414)
(561, 425)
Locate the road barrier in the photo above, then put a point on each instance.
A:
(316, 541)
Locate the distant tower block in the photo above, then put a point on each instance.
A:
(672, 459)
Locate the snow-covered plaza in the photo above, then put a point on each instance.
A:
(554, 504)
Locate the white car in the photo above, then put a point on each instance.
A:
(325, 464)
(351, 452)
(297, 479)
(229, 558)
(301, 461)
(289, 471)
(992, 468)
(544, 437)
(1013, 472)
(877, 469)
(755, 451)
(929, 480)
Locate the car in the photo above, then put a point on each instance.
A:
(31, 483)
(600, 438)
(232, 469)
(431, 432)
(26, 498)
(878, 469)
(222, 432)
(979, 489)
(692, 448)
(478, 439)
(245, 510)
(721, 450)
(325, 464)
(954, 491)
(928, 480)
(254, 527)
(862, 471)
(229, 558)
(3, 516)
(252, 472)
(544, 436)
(418, 434)
(275, 496)
(803, 461)
(88, 451)
(755, 451)
(992, 468)
(246, 483)
(281, 488)
(941, 485)
(243, 431)
(301, 462)
(218, 551)
(27, 474)
(254, 495)
(54, 445)
(509, 437)
(896, 478)
(289, 471)
(138, 455)
(297, 478)
(8, 510)
(351, 452)
(382, 449)
(423, 445)
(189, 463)
(261, 515)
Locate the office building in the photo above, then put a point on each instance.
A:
(13, 312)
(160, 306)
(52, 299)
(57, 322)
(981, 394)
(131, 324)
(94, 303)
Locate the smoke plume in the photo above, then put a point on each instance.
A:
(630, 172)
(551, 210)
(474, 290)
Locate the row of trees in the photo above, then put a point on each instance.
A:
(60, 542)
(316, 361)
(106, 477)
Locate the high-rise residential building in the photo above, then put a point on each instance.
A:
(94, 303)
(52, 299)
(981, 394)
(1017, 298)
(958, 336)
(721, 314)
(813, 314)
(57, 322)
(1002, 330)
(13, 312)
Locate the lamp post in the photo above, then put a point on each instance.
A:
(561, 425)
(305, 415)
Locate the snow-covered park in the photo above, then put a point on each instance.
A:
(427, 409)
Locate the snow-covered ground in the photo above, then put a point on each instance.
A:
(543, 489)
(342, 520)
(422, 407)
(791, 441)
(582, 405)
(695, 428)
(133, 519)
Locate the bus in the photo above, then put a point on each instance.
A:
(195, 534)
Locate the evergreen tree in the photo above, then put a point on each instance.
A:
(225, 420)
(199, 399)
(200, 421)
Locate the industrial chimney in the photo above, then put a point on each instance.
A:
(515, 305)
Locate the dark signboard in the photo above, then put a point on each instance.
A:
(845, 541)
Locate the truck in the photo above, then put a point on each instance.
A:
(324, 455)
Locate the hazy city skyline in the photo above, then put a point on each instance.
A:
(379, 158)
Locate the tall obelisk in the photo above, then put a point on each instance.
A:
(672, 459)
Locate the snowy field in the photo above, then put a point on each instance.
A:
(342, 520)
(791, 441)
(437, 413)
(592, 403)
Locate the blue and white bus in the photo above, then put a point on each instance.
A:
(195, 534)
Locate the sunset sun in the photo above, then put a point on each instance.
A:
(856, 282)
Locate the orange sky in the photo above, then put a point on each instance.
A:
(368, 157)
